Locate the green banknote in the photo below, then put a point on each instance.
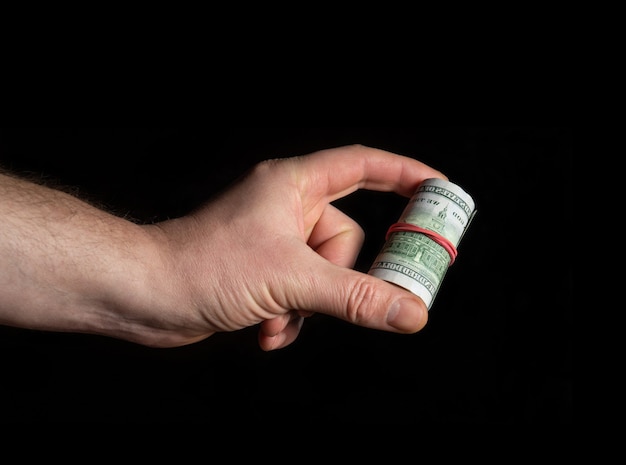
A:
(421, 246)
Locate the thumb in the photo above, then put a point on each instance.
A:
(365, 300)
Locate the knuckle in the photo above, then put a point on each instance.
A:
(361, 301)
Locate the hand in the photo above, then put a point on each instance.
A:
(274, 250)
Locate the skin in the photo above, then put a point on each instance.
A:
(269, 251)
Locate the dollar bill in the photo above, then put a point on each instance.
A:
(421, 246)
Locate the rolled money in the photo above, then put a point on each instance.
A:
(421, 246)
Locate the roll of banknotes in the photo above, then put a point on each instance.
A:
(422, 245)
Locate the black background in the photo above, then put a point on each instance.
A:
(497, 347)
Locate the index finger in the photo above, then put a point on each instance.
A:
(335, 173)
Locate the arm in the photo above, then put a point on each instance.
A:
(270, 250)
(69, 266)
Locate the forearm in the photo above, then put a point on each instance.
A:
(68, 266)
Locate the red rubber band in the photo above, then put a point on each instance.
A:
(438, 238)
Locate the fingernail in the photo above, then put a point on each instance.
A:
(406, 315)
